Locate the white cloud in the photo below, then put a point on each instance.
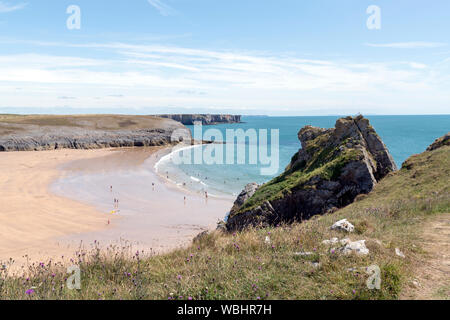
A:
(6, 7)
(155, 76)
(163, 8)
(408, 45)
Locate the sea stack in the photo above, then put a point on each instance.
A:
(331, 169)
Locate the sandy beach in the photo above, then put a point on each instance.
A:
(54, 200)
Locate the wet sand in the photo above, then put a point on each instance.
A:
(54, 200)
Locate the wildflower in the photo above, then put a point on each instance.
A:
(190, 298)
(258, 298)
(30, 292)
(179, 277)
(354, 291)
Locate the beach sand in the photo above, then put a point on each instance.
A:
(51, 201)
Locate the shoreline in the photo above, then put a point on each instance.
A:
(165, 155)
(57, 224)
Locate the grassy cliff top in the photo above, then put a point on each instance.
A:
(244, 266)
(89, 122)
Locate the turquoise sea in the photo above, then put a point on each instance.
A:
(403, 135)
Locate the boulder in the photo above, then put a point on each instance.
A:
(357, 247)
(343, 225)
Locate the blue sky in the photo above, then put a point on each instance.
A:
(285, 57)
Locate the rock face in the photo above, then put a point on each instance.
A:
(205, 119)
(84, 132)
(246, 194)
(443, 141)
(330, 170)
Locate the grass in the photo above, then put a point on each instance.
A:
(327, 164)
(244, 266)
(95, 122)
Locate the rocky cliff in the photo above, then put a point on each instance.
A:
(442, 141)
(331, 169)
(33, 133)
(205, 119)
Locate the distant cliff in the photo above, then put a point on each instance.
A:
(205, 119)
(333, 167)
(47, 132)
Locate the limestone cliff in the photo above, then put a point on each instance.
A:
(205, 119)
(46, 132)
(331, 169)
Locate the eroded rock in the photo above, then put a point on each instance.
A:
(331, 169)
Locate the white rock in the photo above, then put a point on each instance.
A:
(358, 247)
(303, 254)
(343, 225)
(267, 241)
(331, 241)
(399, 253)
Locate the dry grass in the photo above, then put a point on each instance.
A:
(244, 266)
(93, 122)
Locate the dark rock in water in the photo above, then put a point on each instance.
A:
(439, 143)
(331, 169)
(35, 133)
(205, 119)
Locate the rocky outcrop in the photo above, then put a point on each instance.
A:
(246, 194)
(77, 132)
(205, 119)
(439, 143)
(331, 169)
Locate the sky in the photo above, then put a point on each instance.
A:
(284, 57)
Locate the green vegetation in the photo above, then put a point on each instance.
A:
(244, 266)
(326, 164)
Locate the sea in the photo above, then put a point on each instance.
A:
(404, 136)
